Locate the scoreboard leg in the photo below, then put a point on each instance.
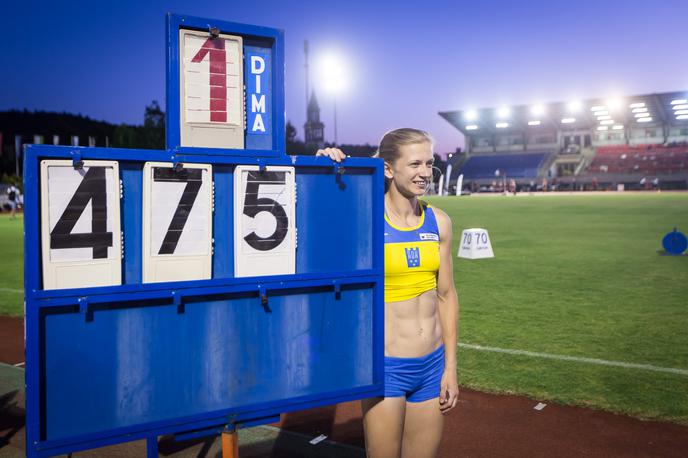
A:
(230, 444)
(152, 447)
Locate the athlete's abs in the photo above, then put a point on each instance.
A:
(412, 326)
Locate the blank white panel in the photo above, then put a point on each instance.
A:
(177, 222)
(80, 224)
(264, 221)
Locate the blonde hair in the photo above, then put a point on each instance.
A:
(393, 140)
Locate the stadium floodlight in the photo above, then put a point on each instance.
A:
(614, 103)
(598, 108)
(568, 120)
(502, 125)
(641, 115)
(681, 112)
(503, 112)
(607, 122)
(533, 123)
(575, 106)
(601, 113)
(618, 127)
(639, 110)
(679, 107)
(537, 110)
(679, 101)
(471, 127)
(637, 105)
(682, 117)
(602, 118)
(646, 119)
(471, 115)
(602, 127)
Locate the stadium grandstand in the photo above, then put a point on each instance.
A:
(636, 142)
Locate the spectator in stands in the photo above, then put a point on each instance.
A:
(545, 184)
(421, 306)
(655, 184)
(12, 198)
(594, 183)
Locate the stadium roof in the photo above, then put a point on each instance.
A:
(601, 114)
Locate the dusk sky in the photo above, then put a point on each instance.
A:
(405, 60)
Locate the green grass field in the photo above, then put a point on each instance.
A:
(575, 276)
(12, 265)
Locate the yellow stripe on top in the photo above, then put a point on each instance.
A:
(412, 258)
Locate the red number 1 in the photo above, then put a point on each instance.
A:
(218, 76)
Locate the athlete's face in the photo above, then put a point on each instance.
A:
(411, 173)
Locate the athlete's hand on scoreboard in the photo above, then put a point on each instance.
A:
(335, 154)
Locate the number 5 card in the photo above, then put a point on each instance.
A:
(264, 221)
(80, 224)
(177, 222)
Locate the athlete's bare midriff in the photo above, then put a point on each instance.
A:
(412, 327)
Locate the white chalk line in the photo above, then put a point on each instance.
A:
(11, 290)
(577, 359)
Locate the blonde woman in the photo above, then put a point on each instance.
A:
(421, 306)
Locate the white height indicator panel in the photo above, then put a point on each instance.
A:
(80, 224)
(264, 221)
(177, 222)
(211, 90)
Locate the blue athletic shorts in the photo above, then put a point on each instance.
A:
(418, 379)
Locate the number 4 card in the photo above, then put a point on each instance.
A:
(264, 221)
(177, 222)
(80, 224)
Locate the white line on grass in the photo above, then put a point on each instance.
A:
(11, 290)
(602, 362)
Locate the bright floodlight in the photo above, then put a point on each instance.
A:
(607, 122)
(332, 73)
(680, 107)
(602, 118)
(471, 115)
(679, 101)
(533, 123)
(602, 127)
(682, 117)
(503, 112)
(537, 110)
(614, 103)
(472, 127)
(617, 127)
(601, 113)
(644, 119)
(502, 125)
(598, 108)
(681, 112)
(637, 105)
(568, 120)
(575, 106)
(641, 115)
(639, 110)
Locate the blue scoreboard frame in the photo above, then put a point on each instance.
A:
(137, 360)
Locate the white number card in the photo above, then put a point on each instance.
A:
(211, 90)
(80, 224)
(177, 222)
(264, 221)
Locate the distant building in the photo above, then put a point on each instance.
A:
(313, 128)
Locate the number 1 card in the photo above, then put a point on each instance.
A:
(80, 224)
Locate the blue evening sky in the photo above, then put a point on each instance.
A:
(406, 60)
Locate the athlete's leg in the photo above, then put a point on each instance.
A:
(423, 425)
(383, 424)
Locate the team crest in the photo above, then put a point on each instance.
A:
(412, 257)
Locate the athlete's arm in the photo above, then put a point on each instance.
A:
(333, 153)
(448, 306)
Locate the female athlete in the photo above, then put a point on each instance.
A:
(421, 306)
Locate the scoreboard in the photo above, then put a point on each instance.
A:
(211, 285)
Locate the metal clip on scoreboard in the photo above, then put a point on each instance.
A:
(214, 284)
